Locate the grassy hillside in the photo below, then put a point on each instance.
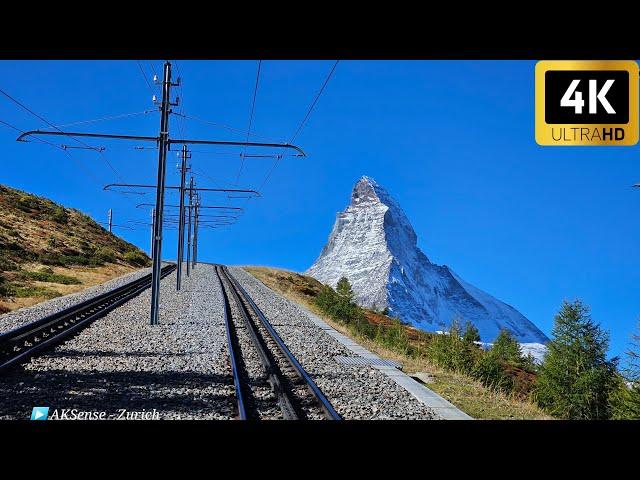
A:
(465, 392)
(47, 250)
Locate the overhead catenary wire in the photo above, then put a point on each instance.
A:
(144, 75)
(222, 125)
(181, 123)
(302, 124)
(253, 108)
(313, 104)
(73, 159)
(112, 117)
(40, 117)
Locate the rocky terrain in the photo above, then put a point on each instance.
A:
(374, 245)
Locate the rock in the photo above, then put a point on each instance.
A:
(374, 245)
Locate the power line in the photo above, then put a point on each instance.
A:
(144, 75)
(181, 122)
(54, 146)
(253, 107)
(24, 107)
(302, 124)
(112, 117)
(221, 125)
(313, 104)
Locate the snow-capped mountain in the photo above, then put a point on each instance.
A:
(374, 245)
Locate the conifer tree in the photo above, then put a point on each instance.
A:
(492, 368)
(507, 349)
(625, 399)
(343, 288)
(576, 379)
(471, 333)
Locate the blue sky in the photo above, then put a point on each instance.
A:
(453, 141)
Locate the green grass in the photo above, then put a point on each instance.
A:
(24, 291)
(51, 277)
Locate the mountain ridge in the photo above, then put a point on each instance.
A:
(374, 245)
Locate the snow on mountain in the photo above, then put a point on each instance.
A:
(374, 245)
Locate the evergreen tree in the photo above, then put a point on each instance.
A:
(339, 303)
(506, 349)
(633, 357)
(343, 288)
(451, 351)
(625, 399)
(471, 333)
(576, 379)
(494, 367)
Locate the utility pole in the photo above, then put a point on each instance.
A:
(153, 221)
(183, 174)
(163, 142)
(162, 167)
(189, 227)
(195, 233)
(110, 219)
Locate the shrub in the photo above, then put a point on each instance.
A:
(51, 277)
(59, 215)
(136, 258)
(105, 255)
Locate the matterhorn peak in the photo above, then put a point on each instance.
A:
(374, 245)
(365, 189)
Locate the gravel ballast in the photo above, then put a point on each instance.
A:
(16, 319)
(179, 367)
(356, 392)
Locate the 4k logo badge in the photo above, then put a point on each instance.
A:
(587, 102)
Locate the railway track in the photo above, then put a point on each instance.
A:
(269, 382)
(19, 345)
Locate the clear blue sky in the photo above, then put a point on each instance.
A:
(452, 141)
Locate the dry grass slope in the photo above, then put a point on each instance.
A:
(47, 250)
(466, 393)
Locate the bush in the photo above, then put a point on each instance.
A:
(59, 215)
(28, 291)
(136, 258)
(105, 255)
(59, 260)
(45, 276)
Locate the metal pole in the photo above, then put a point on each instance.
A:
(153, 221)
(189, 227)
(110, 217)
(195, 233)
(162, 166)
(183, 174)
